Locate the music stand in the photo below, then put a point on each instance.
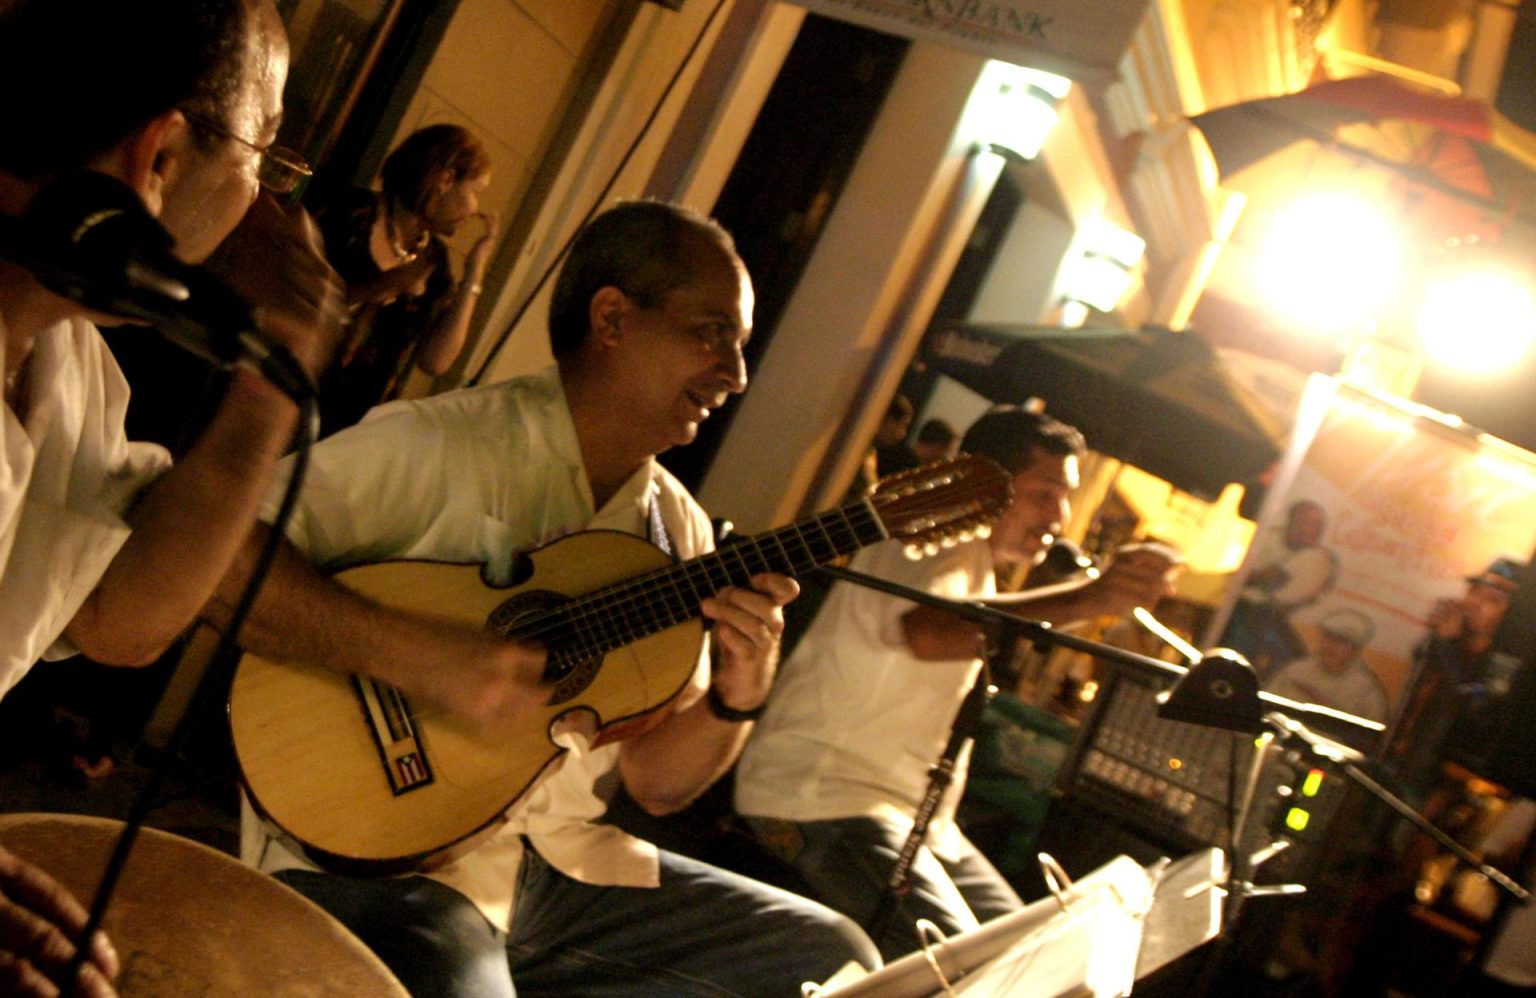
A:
(1097, 936)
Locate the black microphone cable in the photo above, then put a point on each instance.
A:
(217, 677)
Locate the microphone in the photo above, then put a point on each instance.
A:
(88, 237)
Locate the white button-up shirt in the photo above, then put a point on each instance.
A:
(67, 474)
(477, 475)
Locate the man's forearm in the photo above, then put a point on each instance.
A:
(303, 616)
(187, 529)
(669, 767)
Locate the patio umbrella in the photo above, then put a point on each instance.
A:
(1436, 148)
(1153, 398)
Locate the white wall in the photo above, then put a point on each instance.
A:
(848, 331)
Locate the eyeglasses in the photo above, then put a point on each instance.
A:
(281, 170)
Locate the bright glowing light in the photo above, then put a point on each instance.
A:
(1329, 261)
(1477, 321)
(1105, 269)
(1313, 783)
(1015, 108)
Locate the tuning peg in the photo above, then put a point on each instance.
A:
(914, 552)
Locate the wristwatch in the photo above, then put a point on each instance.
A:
(726, 712)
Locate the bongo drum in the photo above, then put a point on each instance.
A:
(189, 920)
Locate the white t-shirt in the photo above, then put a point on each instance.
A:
(478, 475)
(855, 721)
(1356, 690)
(66, 477)
(1305, 575)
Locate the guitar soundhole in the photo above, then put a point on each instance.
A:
(535, 617)
(576, 678)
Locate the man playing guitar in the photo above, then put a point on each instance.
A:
(647, 324)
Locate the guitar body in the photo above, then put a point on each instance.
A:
(362, 794)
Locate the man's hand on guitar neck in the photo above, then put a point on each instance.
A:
(748, 626)
(669, 766)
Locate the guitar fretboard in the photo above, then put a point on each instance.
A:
(592, 625)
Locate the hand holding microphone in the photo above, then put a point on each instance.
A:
(275, 260)
(1139, 575)
(88, 237)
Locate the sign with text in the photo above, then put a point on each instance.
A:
(1382, 513)
(1078, 39)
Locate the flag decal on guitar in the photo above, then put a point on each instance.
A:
(394, 733)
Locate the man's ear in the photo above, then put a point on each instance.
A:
(605, 314)
(149, 159)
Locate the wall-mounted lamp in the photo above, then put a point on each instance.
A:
(1105, 267)
(1015, 108)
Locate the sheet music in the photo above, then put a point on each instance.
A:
(1090, 949)
(1084, 944)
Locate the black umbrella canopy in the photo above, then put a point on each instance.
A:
(1153, 398)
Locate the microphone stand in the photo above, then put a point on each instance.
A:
(1000, 631)
(1347, 759)
(1193, 699)
(940, 776)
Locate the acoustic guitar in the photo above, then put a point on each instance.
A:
(365, 783)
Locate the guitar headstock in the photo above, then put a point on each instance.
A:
(939, 505)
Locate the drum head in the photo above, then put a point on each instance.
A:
(189, 920)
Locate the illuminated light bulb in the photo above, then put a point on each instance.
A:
(1330, 261)
(1478, 321)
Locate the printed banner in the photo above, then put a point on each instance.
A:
(1078, 39)
(1385, 526)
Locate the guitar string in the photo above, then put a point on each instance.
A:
(582, 626)
(553, 627)
(672, 584)
(588, 615)
(629, 598)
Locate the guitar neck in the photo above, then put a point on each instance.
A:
(612, 617)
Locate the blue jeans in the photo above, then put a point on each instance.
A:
(703, 932)
(848, 863)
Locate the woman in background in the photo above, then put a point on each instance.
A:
(390, 248)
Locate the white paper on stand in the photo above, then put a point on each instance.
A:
(1084, 942)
